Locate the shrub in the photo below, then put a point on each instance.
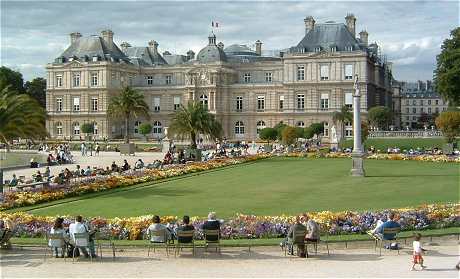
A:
(449, 124)
(268, 134)
(289, 135)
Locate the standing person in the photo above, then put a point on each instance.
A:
(82, 148)
(90, 146)
(418, 250)
(98, 148)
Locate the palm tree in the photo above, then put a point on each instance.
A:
(128, 103)
(342, 116)
(194, 119)
(20, 117)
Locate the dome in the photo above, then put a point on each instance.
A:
(239, 50)
(211, 53)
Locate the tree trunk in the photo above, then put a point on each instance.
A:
(127, 128)
(193, 139)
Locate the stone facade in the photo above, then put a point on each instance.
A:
(246, 90)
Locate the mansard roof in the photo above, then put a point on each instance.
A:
(145, 56)
(88, 47)
(327, 35)
(236, 49)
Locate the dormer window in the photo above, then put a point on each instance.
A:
(317, 49)
(95, 58)
(349, 48)
(333, 48)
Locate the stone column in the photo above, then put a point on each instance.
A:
(357, 154)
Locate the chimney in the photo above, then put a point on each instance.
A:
(125, 46)
(220, 45)
(351, 24)
(107, 35)
(309, 24)
(154, 45)
(74, 37)
(190, 55)
(258, 47)
(363, 36)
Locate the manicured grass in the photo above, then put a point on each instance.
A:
(279, 186)
(403, 143)
(262, 241)
(12, 159)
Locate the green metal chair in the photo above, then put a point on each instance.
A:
(180, 244)
(213, 234)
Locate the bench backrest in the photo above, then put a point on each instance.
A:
(81, 239)
(56, 240)
(214, 234)
(391, 230)
(185, 234)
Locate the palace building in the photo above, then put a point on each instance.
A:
(246, 90)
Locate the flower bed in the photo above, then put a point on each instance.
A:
(424, 158)
(247, 226)
(19, 199)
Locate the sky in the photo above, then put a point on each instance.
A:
(410, 33)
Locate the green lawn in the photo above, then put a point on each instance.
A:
(11, 159)
(403, 143)
(277, 186)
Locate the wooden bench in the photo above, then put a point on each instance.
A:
(32, 185)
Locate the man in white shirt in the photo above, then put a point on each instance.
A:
(78, 227)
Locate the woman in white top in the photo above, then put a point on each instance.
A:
(58, 228)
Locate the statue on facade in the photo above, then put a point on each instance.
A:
(334, 138)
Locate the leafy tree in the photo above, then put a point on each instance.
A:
(279, 130)
(449, 124)
(20, 117)
(129, 103)
(447, 72)
(37, 90)
(308, 132)
(342, 116)
(380, 117)
(300, 132)
(11, 78)
(194, 119)
(87, 128)
(145, 129)
(289, 135)
(317, 128)
(268, 134)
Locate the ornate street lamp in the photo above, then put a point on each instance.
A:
(357, 154)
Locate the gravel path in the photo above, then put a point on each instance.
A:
(236, 262)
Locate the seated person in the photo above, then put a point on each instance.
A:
(297, 229)
(14, 181)
(67, 174)
(33, 164)
(80, 227)
(139, 164)
(125, 166)
(313, 233)
(157, 226)
(211, 224)
(185, 227)
(38, 177)
(107, 171)
(390, 223)
(58, 228)
(77, 172)
(114, 166)
(88, 171)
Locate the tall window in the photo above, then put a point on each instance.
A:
(414, 110)
(239, 128)
(59, 80)
(429, 102)
(324, 103)
(407, 102)
(94, 104)
(260, 103)
(149, 80)
(281, 103)
(156, 104)
(58, 104)
(204, 100)
(136, 127)
(176, 103)
(300, 72)
(348, 72)
(414, 102)
(324, 72)
(76, 79)
(94, 80)
(421, 102)
(76, 128)
(407, 110)
(429, 110)
(59, 128)
(348, 129)
(300, 124)
(300, 101)
(436, 102)
(436, 110)
(239, 103)
(168, 79)
(326, 129)
(260, 125)
(349, 100)
(76, 103)
(157, 128)
(95, 129)
(268, 76)
(247, 77)
(421, 110)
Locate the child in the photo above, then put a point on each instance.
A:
(418, 259)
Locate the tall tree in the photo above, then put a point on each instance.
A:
(129, 103)
(193, 119)
(449, 124)
(380, 117)
(342, 116)
(11, 78)
(289, 135)
(36, 89)
(447, 73)
(20, 117)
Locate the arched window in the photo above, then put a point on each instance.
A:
(136, 127)
(157, 128)
(76, 128)
(204, 100)
(260, 126)
(239, 127)
(300, 124)
(59, 128)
